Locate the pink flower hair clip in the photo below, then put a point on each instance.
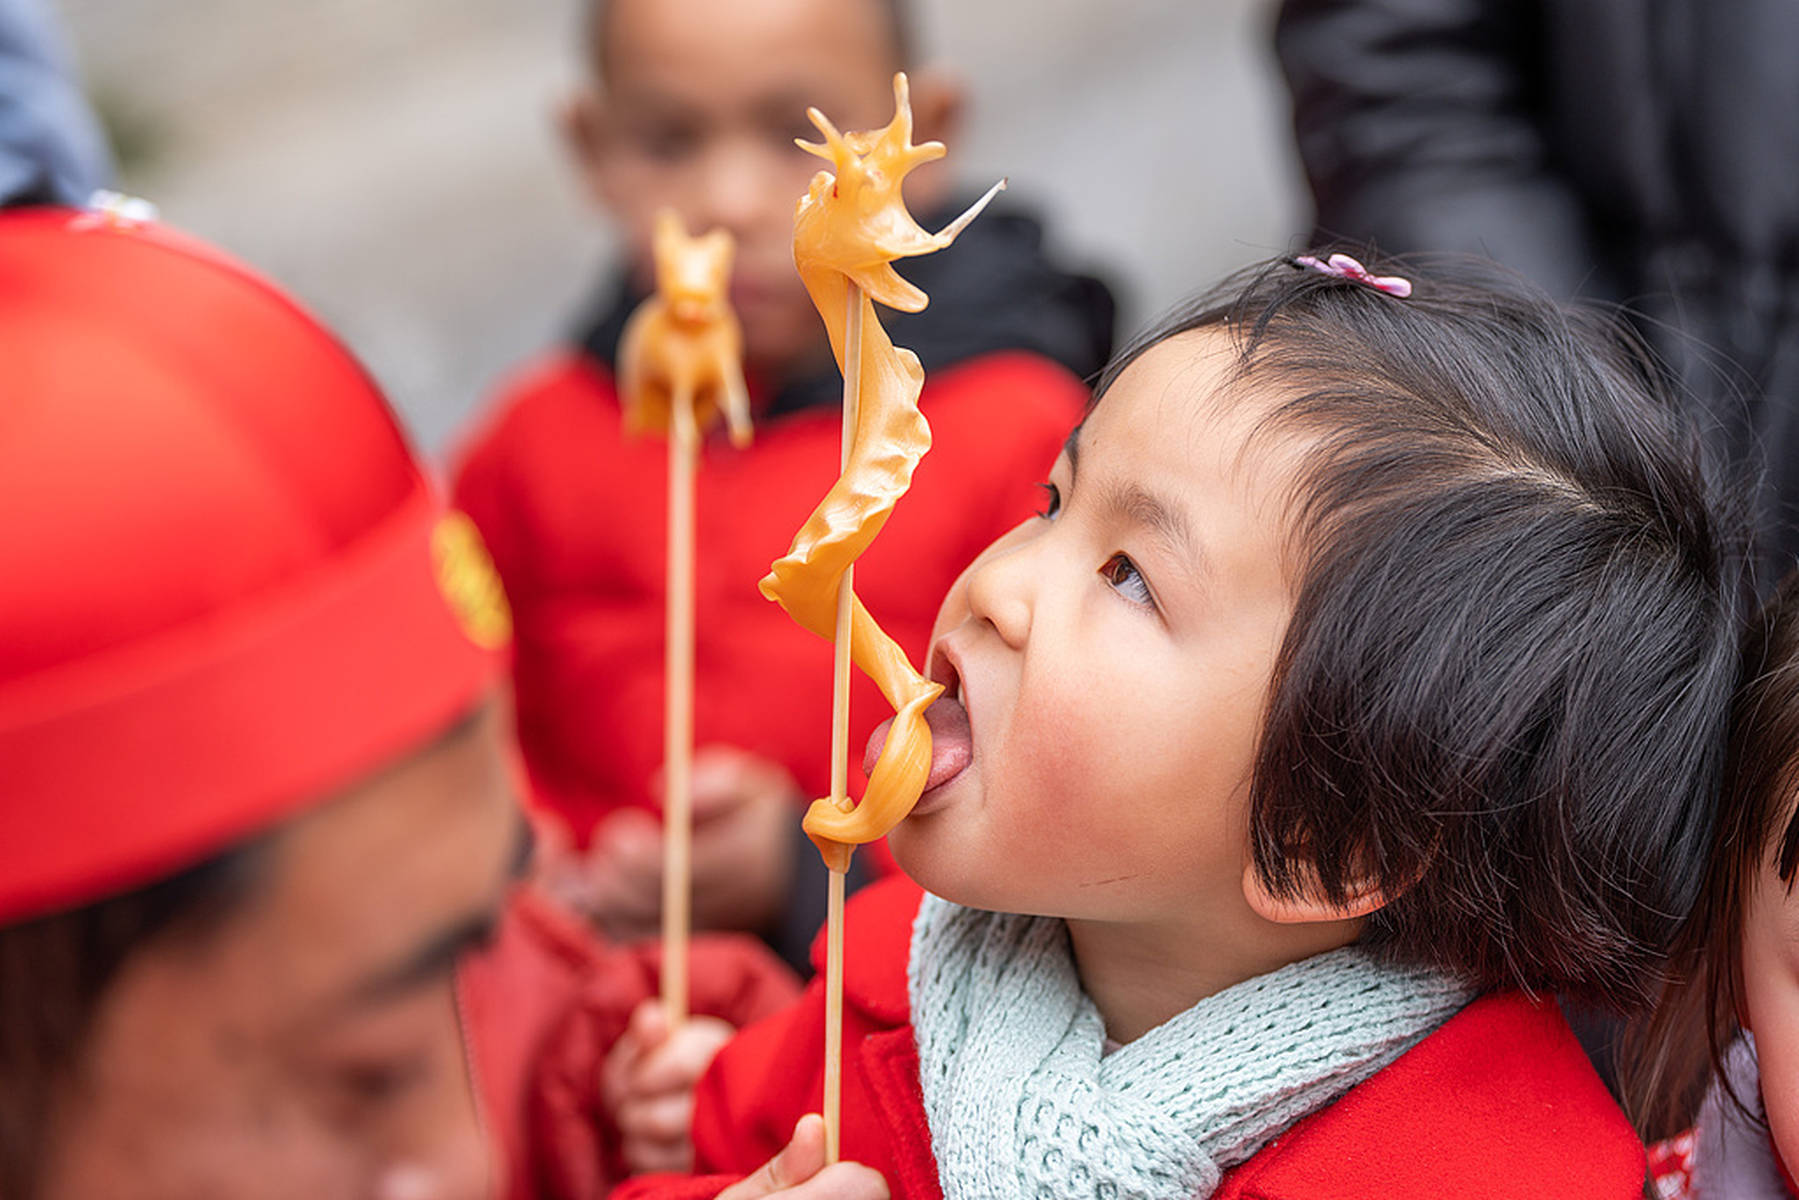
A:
(1345, 267)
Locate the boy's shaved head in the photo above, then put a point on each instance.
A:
(694, 106)
(894, 18)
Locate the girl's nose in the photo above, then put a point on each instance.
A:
(1002, 586)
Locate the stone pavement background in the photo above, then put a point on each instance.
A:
(393, 161)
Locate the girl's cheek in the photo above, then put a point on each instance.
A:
(1771, 995)
(1780, 1087)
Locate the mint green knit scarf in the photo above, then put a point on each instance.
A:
(1022, 1101)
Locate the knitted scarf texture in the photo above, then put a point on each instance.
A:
(1022, 1101)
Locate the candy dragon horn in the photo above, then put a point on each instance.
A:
(848, 229)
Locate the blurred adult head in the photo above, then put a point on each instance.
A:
(253, 805)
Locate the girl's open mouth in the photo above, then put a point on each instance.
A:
(952, 744)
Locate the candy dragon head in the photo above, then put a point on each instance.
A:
(853, 218)
(681, 350)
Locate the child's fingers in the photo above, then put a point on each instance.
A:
(615, 1075)
(799, 1173)
(842, 1181)
(719, 790)
(624, 878)
(677, 1062)
(662, 1119)
(646, 1029)
(801, 1159)
(631, 841)
(726, 778)
(655, 1156)
(648, 1026)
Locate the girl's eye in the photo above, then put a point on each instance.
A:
(1052, 501)
(1124, 577)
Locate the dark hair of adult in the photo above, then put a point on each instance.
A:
(1503, 693)
(54, 973)
(1680, 1046)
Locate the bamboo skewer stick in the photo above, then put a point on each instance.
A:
(840, 750)
(677, 747)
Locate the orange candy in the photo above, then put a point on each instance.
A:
(848, 229)
(682, 351)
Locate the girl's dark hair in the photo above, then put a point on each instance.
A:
(1503, 692)
(1680, 1046)
(54, 972)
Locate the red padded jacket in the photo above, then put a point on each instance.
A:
(1498, 1104)
(540, 1008)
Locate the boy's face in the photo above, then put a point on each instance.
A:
(1771, 997)
(310, 1046)
(697, 107)
(1114, 658)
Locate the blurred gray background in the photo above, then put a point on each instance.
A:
(394, 162)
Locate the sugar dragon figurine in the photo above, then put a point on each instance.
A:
(680, 371)
(848, 229)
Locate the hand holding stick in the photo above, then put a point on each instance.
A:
(680, 368)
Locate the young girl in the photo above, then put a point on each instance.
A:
(1731, 1020)
(1362, 682)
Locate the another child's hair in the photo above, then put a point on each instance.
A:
(1503, 694)
(1680, 1047)
(897, 15)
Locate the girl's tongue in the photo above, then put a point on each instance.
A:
(952, 748)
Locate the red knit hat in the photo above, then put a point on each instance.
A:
(226, 589)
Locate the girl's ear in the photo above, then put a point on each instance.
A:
(1308, 907)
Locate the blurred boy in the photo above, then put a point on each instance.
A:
(694, 105)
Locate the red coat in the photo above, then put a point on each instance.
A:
(573, 512)
(540, 1008)
(1498, 1103)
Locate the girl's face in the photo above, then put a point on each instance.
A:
(1114, 657)
(1771, 998)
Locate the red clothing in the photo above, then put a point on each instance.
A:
(574, 513)
(1498, 1103)
(541, 1007)
(1671, 1167)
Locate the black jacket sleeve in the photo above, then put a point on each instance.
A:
(1418, 122)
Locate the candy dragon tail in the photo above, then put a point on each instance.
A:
(849, 228)
(891, 436)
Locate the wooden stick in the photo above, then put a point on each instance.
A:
(677, 721)
(834, 1020)
(840, 750)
